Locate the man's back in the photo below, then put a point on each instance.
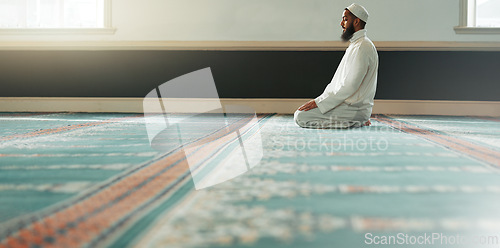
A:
(361, 60)
(355, 80)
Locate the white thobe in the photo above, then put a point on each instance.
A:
(348, 98)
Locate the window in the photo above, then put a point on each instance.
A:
(479, 16)
(55, 15)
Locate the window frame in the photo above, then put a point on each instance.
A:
(107, 29)
(467, 21)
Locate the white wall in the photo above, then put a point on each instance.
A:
(273, 20)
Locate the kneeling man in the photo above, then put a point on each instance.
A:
(348, 100)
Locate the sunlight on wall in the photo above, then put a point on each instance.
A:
(51, 13)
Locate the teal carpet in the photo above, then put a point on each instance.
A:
(93, 180)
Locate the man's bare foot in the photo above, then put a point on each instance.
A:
(368, 123)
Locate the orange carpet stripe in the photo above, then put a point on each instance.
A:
(489, 119)
(65, 128)
(100, 221)
(476, 151)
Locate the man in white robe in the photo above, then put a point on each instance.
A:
(348, 100)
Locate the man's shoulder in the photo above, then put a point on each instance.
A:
(367, 42)
(367, 45)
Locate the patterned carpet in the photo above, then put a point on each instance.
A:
(94, 180)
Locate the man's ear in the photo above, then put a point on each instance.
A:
(357, 22)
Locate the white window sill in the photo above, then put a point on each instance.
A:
(28, 31)
(476, 30)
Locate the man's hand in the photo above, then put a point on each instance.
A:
(308, 106)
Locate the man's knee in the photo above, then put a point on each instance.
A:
(298, 117)
(304, 119)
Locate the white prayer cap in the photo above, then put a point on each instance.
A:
(359, 11)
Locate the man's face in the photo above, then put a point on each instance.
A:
(347, 25)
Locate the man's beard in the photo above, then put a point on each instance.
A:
(347, 34)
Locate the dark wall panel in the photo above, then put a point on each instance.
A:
(439, 76)
(245, 74)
